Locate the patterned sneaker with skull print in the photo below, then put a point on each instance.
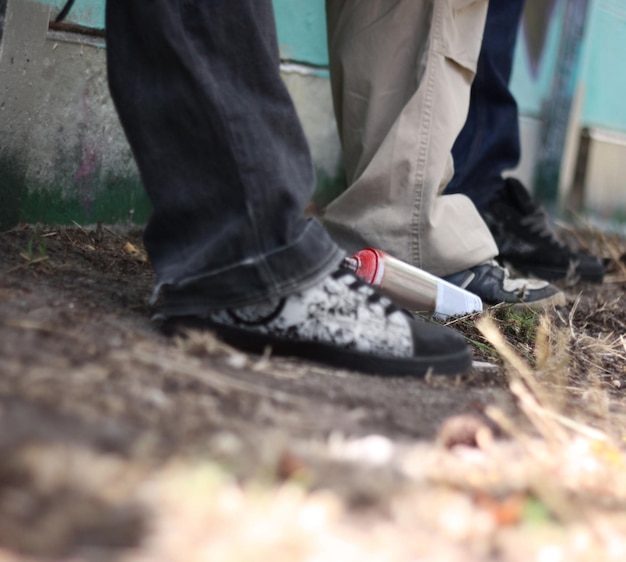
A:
(341, 321)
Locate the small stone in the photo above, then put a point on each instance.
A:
(466, 430)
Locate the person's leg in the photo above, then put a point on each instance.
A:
(226, 166)
(219, 148)
(401, 74)
(489, 143)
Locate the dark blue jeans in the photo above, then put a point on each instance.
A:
(219, 147)
(490, 140)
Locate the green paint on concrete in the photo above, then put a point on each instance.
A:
(116, 199)
(119, 201)
(12, 188)
(328, 187)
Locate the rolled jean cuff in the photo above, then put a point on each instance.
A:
(255, 280)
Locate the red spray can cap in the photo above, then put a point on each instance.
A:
(369, 265)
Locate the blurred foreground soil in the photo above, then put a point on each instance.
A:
(117, 443)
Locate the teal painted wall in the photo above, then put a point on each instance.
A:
(89, 13)
(302, 31)
(301, 26)
(302, 37)
(603, 71)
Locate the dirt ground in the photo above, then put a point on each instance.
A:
(117, 443)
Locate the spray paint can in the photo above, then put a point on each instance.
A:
(411, 287)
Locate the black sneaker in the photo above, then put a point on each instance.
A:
(341, 321)
(491, 282)
(527, 243)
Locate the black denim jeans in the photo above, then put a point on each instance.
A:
(490, 140)
(219, 147)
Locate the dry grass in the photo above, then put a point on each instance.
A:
(555, 490)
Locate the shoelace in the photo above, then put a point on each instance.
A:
(358, 283)
(537, 222)
(497, 265)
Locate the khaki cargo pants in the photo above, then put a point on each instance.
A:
(401, 73)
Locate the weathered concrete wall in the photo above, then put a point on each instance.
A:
(63, 156)
(311, 93)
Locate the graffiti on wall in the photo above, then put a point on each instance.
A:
(535, 25)
(3, 9)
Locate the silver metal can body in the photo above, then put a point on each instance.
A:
(406, 285)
